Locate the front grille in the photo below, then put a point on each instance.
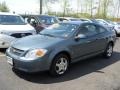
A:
(15, 51)
(20, 35)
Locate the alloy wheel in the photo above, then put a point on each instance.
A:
(61, 65)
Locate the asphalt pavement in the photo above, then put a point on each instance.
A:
(92, 74)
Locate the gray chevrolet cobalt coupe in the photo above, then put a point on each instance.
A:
(57, 46)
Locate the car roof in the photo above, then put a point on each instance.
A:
(81, 22)
(68, 17)
(7, 13)
(37, 16)
(75, 22)
(45, 16)
(100, 19)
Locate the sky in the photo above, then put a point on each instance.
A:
(23, 6)
(30, 6)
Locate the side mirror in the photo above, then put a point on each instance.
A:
(80, 36)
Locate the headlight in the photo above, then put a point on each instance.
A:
(34, 54)
(33, 31)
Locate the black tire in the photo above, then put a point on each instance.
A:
(116, 33)
(53, 69)
(109, 51)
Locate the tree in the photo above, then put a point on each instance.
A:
(65, 6)
(90, 6)
(78, 4)
(114, 6)
(87, 8)
(98, 14)
(4, 7)
(47, 5)
(118, 9)
(105, 7)
(41, 6)
(86, 5)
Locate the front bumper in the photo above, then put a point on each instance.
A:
(32, 66)
(6, 40)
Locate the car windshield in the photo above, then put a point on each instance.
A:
(48, 20)
(11, 20)
(60, 30)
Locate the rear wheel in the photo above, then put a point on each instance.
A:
(59, 65)
(109, 51)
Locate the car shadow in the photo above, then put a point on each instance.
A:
(76, 70)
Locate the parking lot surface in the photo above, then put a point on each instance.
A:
(92, 74)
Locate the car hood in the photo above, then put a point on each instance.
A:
(15, 28)
(35, 41)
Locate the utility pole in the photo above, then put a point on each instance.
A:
(41, 6)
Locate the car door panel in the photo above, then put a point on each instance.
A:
(90, 45)
(84, 47)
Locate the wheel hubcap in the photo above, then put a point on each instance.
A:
(61, 65)
(109, 51)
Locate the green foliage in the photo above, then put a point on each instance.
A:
(106, 9)
(3, 7)
(76, 15)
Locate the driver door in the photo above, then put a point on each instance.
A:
(87, 45)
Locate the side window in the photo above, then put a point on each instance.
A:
(26, 19)
(56, 20)
(52, 20)
(88, 30)
(102, 30)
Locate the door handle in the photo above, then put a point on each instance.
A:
(89, 41)
(94, 40)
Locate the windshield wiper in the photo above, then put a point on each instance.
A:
(47, 35)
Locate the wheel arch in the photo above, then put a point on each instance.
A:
(65, 53)
(111, 42)
(52, 57)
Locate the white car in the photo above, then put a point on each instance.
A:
(104, 22)
(13, 27)
(117, 28)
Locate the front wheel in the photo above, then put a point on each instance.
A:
(59, 65)
(109, 51)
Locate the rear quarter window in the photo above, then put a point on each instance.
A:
(102, 30)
